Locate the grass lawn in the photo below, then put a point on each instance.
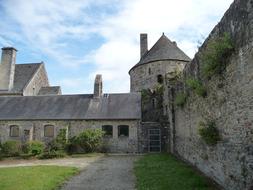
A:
(34, 178)
(164, 172)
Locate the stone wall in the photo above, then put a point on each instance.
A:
(229, 103)
(36, 128)
(145, 76)
(39, 80)
(143, 141)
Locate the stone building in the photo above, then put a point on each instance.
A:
(149, 77)
(23, 79)
(156, 64)
(31, 109)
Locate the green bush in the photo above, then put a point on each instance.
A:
(197, 87)
(180, 99)
(59, 143)
(52, 154)
(72, 145)
(90, 139)
(209, 132)
(11, 148)
(35, 147)
(215, 56)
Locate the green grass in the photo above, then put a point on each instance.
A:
(164, 172)
(34, 178)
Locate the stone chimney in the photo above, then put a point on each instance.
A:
(98, 86)
(7, 68)
(143, 43)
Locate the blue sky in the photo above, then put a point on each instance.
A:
(81, 38)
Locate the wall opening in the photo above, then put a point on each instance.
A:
(160, 79)
(49, 131)
(108, 129)
(123, 130)
(14, 131)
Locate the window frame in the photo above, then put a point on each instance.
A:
(119, 131)
(106, 126)
(160, 79)
(11, 131)
(49, 136)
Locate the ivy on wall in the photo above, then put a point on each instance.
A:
(209, 132)
(215, 56)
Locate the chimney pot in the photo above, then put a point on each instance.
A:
(143, 43)
(7, 68)
(98, 86)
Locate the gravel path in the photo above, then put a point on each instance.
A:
(107, 173)
(80, 163)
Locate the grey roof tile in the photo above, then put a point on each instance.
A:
(50, 90)
(164, 49)
(23, 74)
(68, 107)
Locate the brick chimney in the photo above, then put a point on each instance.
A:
(7, 68)
(143, 43)
(98, 86)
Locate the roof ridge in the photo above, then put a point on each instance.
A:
(163, 49)
(40, 63)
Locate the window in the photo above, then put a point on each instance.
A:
(14, 131)
(123, 130)
(154, 103)
(160, 79)
(149, 71)
(49, 131)
(108, 130)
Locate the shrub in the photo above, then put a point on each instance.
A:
(197, 87)
(90, 139)
(72, 145)
(52, 154)
(59, 143)
(209, 132)
(11, 148)
(35, 147)
(180, 99)
(215, 56)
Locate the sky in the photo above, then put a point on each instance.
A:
(81, 38)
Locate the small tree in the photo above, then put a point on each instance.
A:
(90, 139)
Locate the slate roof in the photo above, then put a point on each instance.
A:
(164, 49)
(23, 74)
(70, 107)
(50, 90)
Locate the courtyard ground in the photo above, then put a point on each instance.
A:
(108, 173)
(123, 172)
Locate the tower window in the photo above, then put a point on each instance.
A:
(160, 79)
(149, 71)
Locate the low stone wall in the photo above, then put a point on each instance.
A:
(229, 102)
(36, 128)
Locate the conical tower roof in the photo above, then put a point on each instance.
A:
(164, 49)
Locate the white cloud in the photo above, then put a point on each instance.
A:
(51, 26)
(187, 21)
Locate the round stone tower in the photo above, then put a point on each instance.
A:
(156, 64)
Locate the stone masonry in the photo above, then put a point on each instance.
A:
(229, 103)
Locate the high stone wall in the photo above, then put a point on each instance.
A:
(229, 103)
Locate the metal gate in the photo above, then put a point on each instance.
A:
(154, 136)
